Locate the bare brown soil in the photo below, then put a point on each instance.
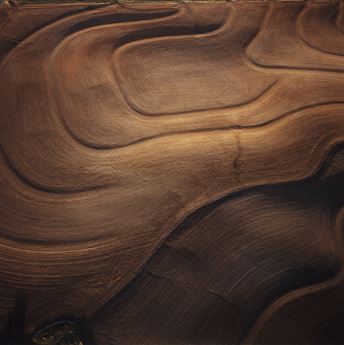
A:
(173, 173)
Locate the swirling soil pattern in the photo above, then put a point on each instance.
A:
(173, 173)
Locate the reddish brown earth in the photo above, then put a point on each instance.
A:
(173, 173)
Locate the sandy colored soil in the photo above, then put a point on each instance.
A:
(173, 173)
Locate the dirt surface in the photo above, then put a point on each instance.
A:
(172, 173)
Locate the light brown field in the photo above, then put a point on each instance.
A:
(173, 173)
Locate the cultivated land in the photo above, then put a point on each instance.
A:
(172, 173)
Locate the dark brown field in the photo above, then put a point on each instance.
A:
(173, 174)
